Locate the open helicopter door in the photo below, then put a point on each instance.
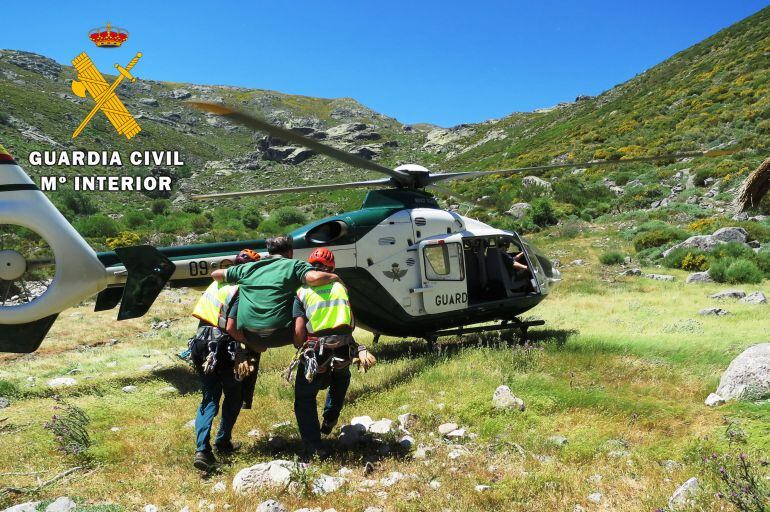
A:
(444, 287)
(536, 270)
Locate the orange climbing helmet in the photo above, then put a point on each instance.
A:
(246, 256)
(323, 256)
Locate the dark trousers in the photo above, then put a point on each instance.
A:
(214, 385)
(305, 407)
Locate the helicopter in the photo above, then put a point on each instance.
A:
(412, 268)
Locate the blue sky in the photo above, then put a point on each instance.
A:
(443, 62)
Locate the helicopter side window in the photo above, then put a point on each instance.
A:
(444, 262)
(327, 232)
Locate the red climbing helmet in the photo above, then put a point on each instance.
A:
(323, 256)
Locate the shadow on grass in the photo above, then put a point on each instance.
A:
(409, 348)
(368, 451)
(181, 376)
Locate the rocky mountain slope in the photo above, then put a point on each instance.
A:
(711, 95)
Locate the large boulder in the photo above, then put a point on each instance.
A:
(534, 181)
(503, 398)
(729, 294)
(701, 242)
(519, 210)
(699, 277)
(754, 298)
(731, 234)
(275, 473)
(683, 496)
(748, 376)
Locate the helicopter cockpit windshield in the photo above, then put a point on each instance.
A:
(492, 270)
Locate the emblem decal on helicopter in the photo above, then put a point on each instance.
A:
(395, 273)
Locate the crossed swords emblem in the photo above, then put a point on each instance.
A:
(91, 81)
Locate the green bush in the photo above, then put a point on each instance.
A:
(612, 258)
(762, 259)
(718, 270)
(743, 271)
(135, 219)
(97, 226)
(288, 215)
(159, 206)
(656, 238)
(201, 223)
(77, 203)
(252, 217)
(732, 250)
(542, 212)
(686, 259)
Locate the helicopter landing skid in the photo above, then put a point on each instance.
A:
(514, 323)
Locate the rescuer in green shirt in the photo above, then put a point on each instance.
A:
(266, 293)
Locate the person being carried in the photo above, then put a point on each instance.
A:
(223, 366)
(266, 290)
(323, 333)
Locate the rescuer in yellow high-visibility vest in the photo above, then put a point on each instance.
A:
(323, 331)
(223, 366)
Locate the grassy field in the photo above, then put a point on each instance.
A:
(625, 365)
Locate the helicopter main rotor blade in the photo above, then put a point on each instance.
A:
(473, 174)
(309, 188)
(255, 123)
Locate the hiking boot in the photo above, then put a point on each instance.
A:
(228, 447)
(327, 427)
(205, 461)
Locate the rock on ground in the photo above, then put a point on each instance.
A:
(392, 479)
(383, 426)
(60, 382)
(714, 400)
(519, 210)
(729, 294)
(326, 484)
(534, 181)
(683, 496)
(755, 298)
(558, 440)
(731, 234)
(446, 428)
(631, 272)
(406, 442)
(713, 311)
(129, 389)
(482, 488)
(748, 376)
(271, 506)
(266, 474)
(702, 242)
(595, 497)
(699, 277)
(30, 506)
(62, 504)
(660, 277)
(350, 435)
(366, 421)
(503, 398)
(405, 420)
(4, 402)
